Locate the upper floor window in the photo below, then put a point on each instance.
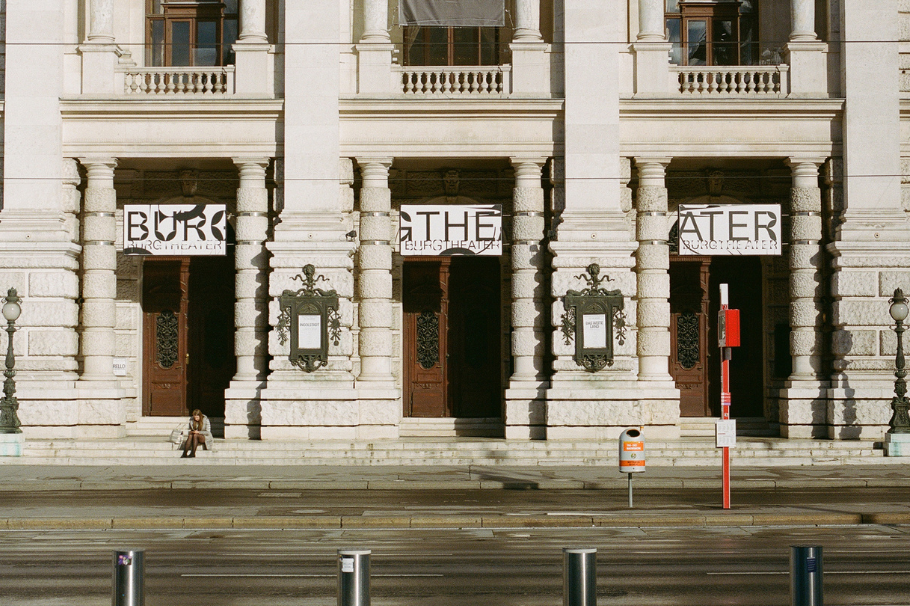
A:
(719, 32)
(451, 45)
(191, 32)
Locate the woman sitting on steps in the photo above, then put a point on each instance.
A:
(200, 434)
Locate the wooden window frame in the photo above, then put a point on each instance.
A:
(420, 42)
(193, 12)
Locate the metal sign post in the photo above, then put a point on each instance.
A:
(728, 337)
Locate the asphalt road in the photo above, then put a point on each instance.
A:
(744, 566)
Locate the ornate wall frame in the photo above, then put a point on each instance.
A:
(593, 318)
(309, 319)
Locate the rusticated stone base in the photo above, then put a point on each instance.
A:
(525, 412)
(859, 413)
(329, 414)
(243, 410)
(602, 414)
(72, 410)
(803, 410)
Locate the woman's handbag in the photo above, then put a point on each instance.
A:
(177, 435)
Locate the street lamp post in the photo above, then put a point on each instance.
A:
(9, 420)
(900, 420)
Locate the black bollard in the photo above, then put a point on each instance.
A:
(806, 575)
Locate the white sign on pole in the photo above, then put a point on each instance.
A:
(456, 230)
(725, 433)
(729, 229)
(174, 229)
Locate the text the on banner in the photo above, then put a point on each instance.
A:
(445, 231)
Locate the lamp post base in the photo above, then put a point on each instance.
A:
(897, 445)
(11, 444)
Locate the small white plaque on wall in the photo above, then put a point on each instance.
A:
(120, 367)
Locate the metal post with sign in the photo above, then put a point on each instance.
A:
(727, 337)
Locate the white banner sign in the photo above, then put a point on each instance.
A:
(446, 231)
(174, 229)
(733, 229)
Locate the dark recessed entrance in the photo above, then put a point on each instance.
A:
(452, 337)
(188, 334)
(694, 355)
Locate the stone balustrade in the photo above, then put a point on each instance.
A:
(461, 80)
(764, 80)
(179, 80)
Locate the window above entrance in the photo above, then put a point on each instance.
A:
(451, 45)
(720, 32)
(191, 32)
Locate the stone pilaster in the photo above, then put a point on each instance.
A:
(871, 248)
(100, 408)
(99, 264)
(251, 51)
(524, 397)
(803, 406)
(375, 278)
(100, 53)
(530, 61)
(527, 21)
(242, 415)
(802, 21)
(651, 51)
(374, 51)
(652, 273)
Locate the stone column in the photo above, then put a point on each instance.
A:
(652, 51)
(653, 278)
(803, 403)
(802, 20)
(242, 414)
(99, 264)
(100, 54)
(527, 21)
(651, 21)
(525, 402)
(252, 21)
(805, 267)
(375, 283)
(251, 51)
(101, 22)
(376, 22)
(251, 261)
(527, 266)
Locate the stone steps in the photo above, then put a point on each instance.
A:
(474, 451)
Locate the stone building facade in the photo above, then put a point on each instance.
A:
(590, 122)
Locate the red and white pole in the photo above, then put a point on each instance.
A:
(725, 353)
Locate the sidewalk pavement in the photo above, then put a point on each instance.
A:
(100, 497)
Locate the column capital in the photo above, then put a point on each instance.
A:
(375, 171)
(804, 171)
(652, 170)
(99, 168)
(251, 168)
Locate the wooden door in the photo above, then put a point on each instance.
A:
(452, 337)
(188, 335)
(425, 286)
(475, 337)
(689, 328)
(165, 305)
